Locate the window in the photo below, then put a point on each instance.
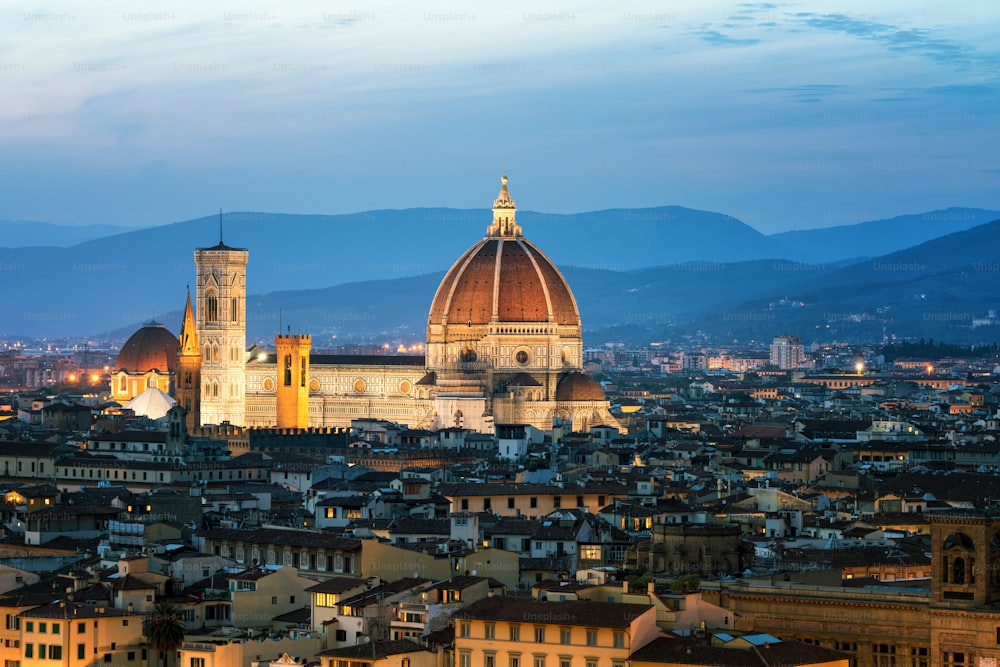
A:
(515, 633)
(515, 661)
(510, 503)
(81, 651)
(29, 650)
(556, 502)
(197, 662)
(565, 662)
(81, 628)
(919, 656)
(579, 501)
(465, 503)
(211, 307)
(564, 635)
(956, 659)
(539, 661)
(274, 599)
(490, 631)
(42, 652)
(463, 629)
(619, 639)
(539, 634)
(533, 502)
(487, 504)
(591, 637)
(464, 659)
(29, 626)
(55, 652)
(489, 660)
(55, 628)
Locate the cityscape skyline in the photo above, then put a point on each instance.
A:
(782, 117)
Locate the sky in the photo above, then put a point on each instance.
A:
(784, 115)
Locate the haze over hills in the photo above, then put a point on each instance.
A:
(947, 288)
(27, 233)
(878, 237)
(343, 275)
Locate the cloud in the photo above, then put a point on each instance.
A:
(716, 38)
(916, 41)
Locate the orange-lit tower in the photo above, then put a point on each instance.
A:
(292, 383)
(188, 384)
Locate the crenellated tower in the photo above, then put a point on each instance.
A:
(188, 384)
(222, 333)
(292, 383)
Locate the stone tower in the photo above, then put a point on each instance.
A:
(222, 332)
(965, 557)
(188, 385)
(292, 383)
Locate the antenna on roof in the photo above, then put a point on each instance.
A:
(279, 319)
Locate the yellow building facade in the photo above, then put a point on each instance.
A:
(508, 632)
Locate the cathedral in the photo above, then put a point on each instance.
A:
(504, 346)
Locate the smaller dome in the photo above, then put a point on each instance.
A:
(151, 403)
(151, 347)
(578, 387)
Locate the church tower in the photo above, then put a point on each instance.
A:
(222, 332)
(965, 558)
(292, 383)
(188, 385)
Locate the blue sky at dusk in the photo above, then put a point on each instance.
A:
(785, 115)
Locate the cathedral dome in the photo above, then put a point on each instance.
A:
(150, 348)
(578, 387)
(503, 278)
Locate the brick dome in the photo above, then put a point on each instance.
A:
(578, 387)
(151, 347)
(503, 278)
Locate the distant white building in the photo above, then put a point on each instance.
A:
(787, 352)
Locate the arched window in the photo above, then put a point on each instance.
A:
(234, 311)
(211, 306)
(302, 371)
(958, 573)
(288, 370)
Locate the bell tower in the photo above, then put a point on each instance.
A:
(965, 558)
(292, 383)
(188, 384)
(221, 316)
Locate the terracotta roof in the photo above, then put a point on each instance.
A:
(375, 650)
(578, 387)
(572, 612)
(336, 585)
(283, 537)
(695, 652)
(503, 280)
(151, 347)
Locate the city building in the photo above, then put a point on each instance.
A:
(788, 352)
(504, 345)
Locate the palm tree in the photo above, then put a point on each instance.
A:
(163, 629)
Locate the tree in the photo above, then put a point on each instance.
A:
(163, 629)
(687, 582)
